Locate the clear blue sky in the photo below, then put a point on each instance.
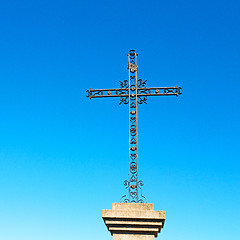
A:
(63, 157)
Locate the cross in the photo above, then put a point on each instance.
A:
(133, 92)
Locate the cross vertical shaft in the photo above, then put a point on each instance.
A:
(133, 133)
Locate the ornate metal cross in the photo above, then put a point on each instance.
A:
(132, 92)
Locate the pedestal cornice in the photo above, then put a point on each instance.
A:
(132, 220)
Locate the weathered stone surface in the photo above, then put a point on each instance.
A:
(131, 206)
(133, 221)
(132, 237)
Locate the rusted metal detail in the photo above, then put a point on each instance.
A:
(133, 92)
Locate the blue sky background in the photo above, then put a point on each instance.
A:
(63, 157)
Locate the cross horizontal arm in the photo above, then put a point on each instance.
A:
(114, 92)
(159, 91)
(123, 92)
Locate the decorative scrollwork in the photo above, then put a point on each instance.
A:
(124, 84)
(142, 100)
(88, 94)
(141, 83)
(133, 104)
(98, 93)
(133, 178)
(120, 92)
(123, 100)
(134, 196)
(133, 140)
(144, 91)
(179, 90)
(124, 198)
(176, 90)
(169, 90)
(142, 199)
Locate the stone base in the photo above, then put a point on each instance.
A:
(133, 221)
(132, 237)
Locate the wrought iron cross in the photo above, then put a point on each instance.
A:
(132, 92)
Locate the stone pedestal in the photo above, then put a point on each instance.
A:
(133, 221)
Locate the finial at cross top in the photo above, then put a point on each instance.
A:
(132, 92)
